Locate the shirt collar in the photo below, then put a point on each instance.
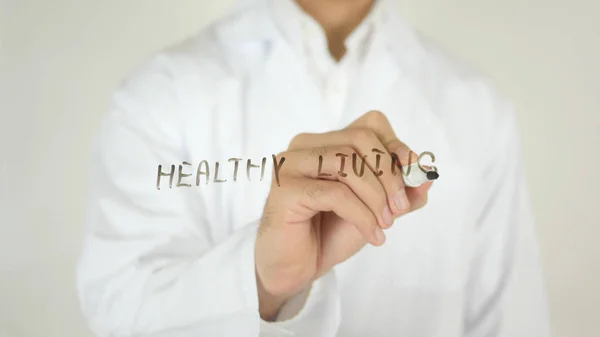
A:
(372, 23)
(299, 28)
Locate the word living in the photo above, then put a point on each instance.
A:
(203, 170)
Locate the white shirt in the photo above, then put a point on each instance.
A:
(179, 261)
(303, 33)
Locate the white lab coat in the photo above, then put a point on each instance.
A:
(179, 261)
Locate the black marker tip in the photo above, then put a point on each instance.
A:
(432, 175)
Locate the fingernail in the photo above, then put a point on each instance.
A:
(379, 236)
(388, 218)
(401, 201)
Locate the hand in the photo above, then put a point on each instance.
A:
(312, 223)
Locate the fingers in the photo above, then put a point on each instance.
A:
(362, 182)
(340, 156)
(401, 156)
(378, 122)
(383, 160)
(418, 195)
(332, 196)
(380, 125)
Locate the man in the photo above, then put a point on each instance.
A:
(186, 249)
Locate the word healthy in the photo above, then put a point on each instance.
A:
(203, 168)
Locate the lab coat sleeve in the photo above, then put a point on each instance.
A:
(157, 262)
(505, 291)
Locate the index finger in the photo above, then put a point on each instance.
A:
(377, 122)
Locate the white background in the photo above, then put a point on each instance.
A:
(61, 60)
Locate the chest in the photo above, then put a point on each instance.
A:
(257, 118)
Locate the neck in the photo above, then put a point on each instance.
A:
(338, 19)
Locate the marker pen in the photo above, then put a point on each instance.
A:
(416, 177)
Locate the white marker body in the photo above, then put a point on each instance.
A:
(416, 177)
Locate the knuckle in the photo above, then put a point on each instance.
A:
(361, 136)
(403, 155)
(346, 150)
(375, 118)
(318, 151)
(298, 139)
(283, 154)
(284, 169)
(395, 145)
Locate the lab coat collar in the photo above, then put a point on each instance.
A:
(253, 21)
(390, 57)
(299, 28)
